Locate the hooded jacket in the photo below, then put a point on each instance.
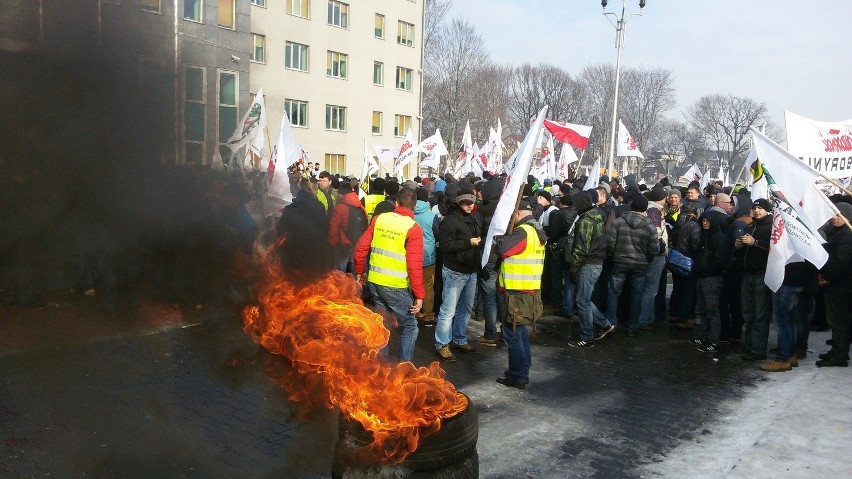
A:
(752, 258)
(839, 247)
(340, 219)
(454, 234)
(633, 241)
(589, 238)
(425, 218)
(715, 246)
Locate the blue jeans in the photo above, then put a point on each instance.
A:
(398, 301)
(784, 306)
(589, 314)
(456, 306)
(488, 299)
(517, 341)
(757, 312)
(568, 291)
(616, 282)
(652, 286)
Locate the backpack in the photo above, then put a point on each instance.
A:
(356, 225)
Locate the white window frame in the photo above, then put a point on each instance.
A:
(338, 14)
(332, 112)
(302, 106)
(259, 3)
(373, 122)
(400, 125)
(253, 53)
(408, 28)
(404, 84)
(200, 18)
(304, 10)
(337, 65)
(376, 32)
(290, 47)
(381, 72)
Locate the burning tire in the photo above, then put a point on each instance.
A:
(450, 453)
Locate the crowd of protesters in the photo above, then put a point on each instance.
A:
(607, 262)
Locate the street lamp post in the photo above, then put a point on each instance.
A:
(620, 24)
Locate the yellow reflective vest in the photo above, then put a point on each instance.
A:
(370, 203)
(522, 272)
(387, 251)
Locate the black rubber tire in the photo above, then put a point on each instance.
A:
(467, 468)
(455, 442)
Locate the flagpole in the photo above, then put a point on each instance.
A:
(835, 183)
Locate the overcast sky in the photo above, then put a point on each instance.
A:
(789, 54)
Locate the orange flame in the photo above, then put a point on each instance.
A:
(332, 342)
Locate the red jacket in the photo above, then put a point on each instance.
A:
(340, 219)
(413, 252)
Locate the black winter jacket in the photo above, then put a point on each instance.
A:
(454, 234)
(715, 246)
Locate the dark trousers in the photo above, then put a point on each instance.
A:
(839, 316)
(730, 307)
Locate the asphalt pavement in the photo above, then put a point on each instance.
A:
(168, 393)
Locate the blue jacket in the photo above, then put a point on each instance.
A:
(425, 218)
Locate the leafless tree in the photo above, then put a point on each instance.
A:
(532, 87)
(436, 13)
(724, 120)
(457, 57)
(645, 97)
(597, 83)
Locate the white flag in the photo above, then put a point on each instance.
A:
(386, 153)
(792, 180)
(253, 122)
(791, 241)
(433, 147)
(217, 164)
(594, 176)
(520, 167)
(407, 152)
(368, 167)
(495, 148)
(287, 149)
(626, 143)
(551, 158)
(566, 157)
(824, 146)
(463, 161)
(705, 180)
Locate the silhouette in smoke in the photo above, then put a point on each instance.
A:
(305, 251)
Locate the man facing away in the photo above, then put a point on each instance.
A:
(394, 243)
(519, 280)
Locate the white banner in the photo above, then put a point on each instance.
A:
(407, 152)
(626, 145)
(594, 178)
(386, 153)
(252, 124)
(508, 199)
(791, 241)
(824, 146)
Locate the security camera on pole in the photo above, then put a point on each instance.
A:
(620, 24)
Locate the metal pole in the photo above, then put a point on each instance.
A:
(619, 44)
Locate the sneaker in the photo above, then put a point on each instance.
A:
(776, 367)
(605, 331)
(511, 383)
(581, 344)
(445, 354)
(709, 348)
(697, 342)
(486, 342)
(468, 348)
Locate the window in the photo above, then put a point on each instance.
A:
(150, 5)
(299, 8)
(297, 112)
(259, 3)
(401, 124)
(405, 34)
(226, 13)
(338, 14)
(335, 163)
(192, 10)
(296, 56)
(194, 121)
(403, 78)
(227, 105)
(335, 117)
(378, 73)
(257, 53)
(380, 26)
(335, 65)
(377, 123)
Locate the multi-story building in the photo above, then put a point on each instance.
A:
(163, 80)
(344, 72)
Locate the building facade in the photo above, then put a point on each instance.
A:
(344, 71)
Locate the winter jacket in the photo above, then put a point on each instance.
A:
(454, 234)
(589, 238)
(655, 215)
(413, 252)
(715, 246)
(340, 219)
(516, 242)
(426, 219)
(633, 241)
(688, 238)
(561, 221)
(752, 259)
(839, 264)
